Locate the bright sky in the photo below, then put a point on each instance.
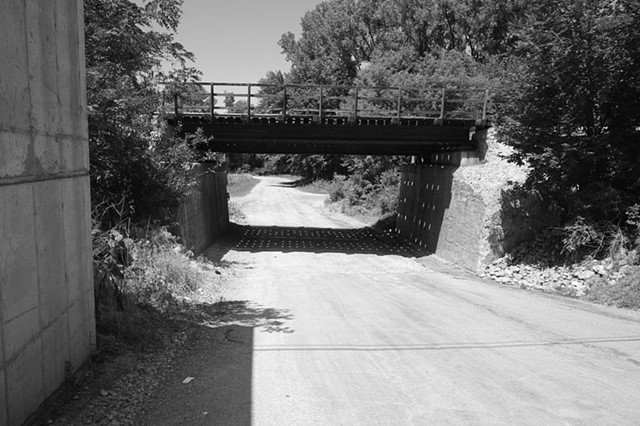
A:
(237, 40)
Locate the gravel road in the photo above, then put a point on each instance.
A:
(327, 324)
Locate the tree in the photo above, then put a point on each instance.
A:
(339, 37)
(408, 43)
(327, 52)
(576, 119)
(124, 58)
(274, 92)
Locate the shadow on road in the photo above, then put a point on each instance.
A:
(290, 183)
(243, 313)
(219, 361)
(322, 240)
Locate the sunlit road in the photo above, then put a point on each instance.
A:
(356, 332)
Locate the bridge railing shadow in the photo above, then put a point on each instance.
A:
(323, 240)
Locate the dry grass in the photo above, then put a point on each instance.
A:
(240, 184)
(623, 293)
(140, 289)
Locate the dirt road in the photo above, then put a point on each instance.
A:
(328, 325)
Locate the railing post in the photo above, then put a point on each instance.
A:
(164, 101)
(320, 104)
(284, 102)
(248, 102)
(399, 103)
(484, 106)
(213, 101)
(444, 95)
(355, 105)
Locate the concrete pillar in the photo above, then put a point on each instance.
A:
(47, 326)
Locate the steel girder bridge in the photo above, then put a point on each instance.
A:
(306, 118)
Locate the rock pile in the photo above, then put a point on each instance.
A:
(572, 280)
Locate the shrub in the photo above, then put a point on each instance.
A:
(579, 236)
(240, 184)
(625, 293)
(140, 275)
(160, 272)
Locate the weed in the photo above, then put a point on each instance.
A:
(239, 184)
(580, 235)
(160, 272)
(236, 214)
(140, 276)
(623, 293)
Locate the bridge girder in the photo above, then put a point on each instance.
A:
(312, 138)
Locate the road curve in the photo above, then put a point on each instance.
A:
(344, 329)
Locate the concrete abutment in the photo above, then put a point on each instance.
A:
(47, 326)
(450, 204)
(203, 216)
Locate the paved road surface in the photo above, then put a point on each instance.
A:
(332, 326)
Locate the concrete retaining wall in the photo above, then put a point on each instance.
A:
(204, 216)
(441, 214)
(451, 205)
(47, 327)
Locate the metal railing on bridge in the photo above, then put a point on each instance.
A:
(325, 104)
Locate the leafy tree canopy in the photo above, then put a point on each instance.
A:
(339, 36)
(575, 120)
(125, 57)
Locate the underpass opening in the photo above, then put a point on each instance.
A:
(439, 128)
(279, 217)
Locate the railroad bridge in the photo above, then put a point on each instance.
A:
(306, 118)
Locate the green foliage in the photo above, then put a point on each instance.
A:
(160, 273)
(371, 188)
(141, 277)
(240, 184)
(308, 166)
(129, 161)
(408, 43)
(624, 293)
(361, 197)
(633, 223)
(580, 235)
(339, 37)
(575, 119)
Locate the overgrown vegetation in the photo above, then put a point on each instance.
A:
(240, 184)
(138, 175)
(143, 278)
(624, 293)
(371, 188)
(575, 117)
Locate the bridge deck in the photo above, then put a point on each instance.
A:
(403, 128)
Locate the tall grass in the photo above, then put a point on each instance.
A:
(623, 293)
(142, 279)
(240, 184)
